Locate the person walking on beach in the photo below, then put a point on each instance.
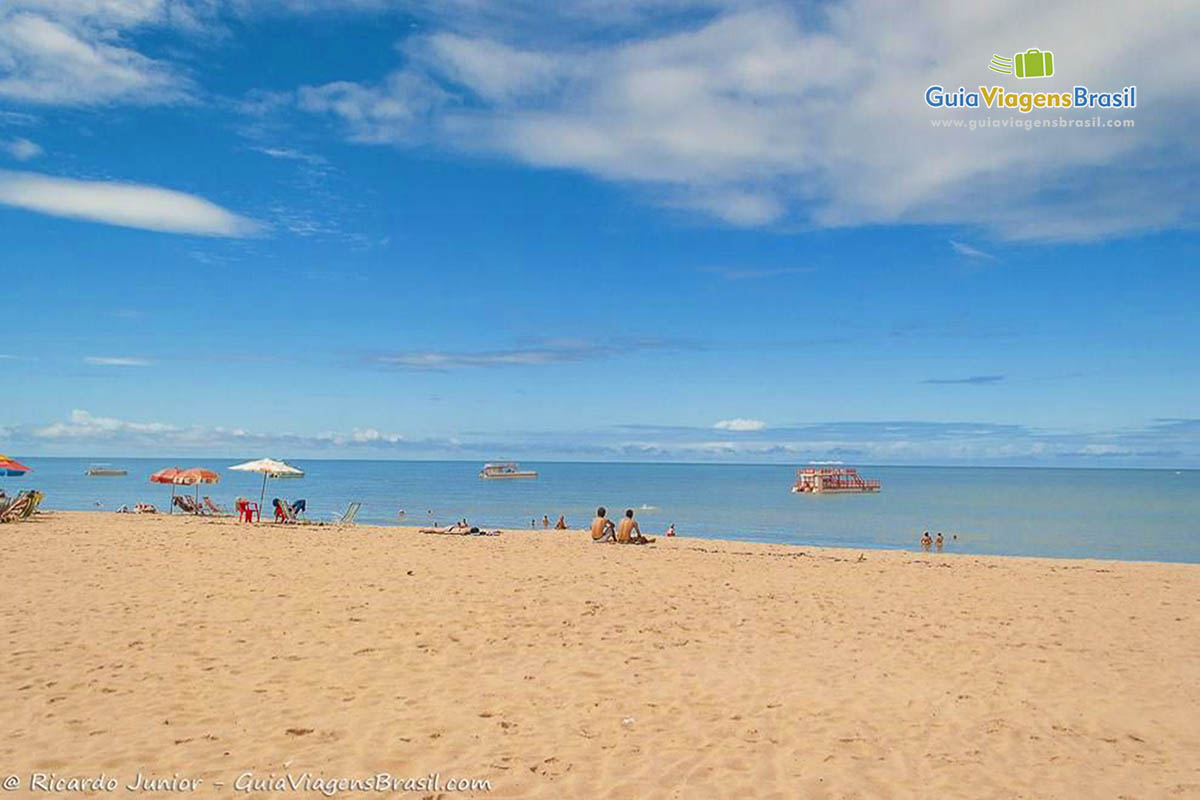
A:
(628, 532)
(603, 529)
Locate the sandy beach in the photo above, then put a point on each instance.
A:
(202, 650)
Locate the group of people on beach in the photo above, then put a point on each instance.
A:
(561, 525)
(624, 532)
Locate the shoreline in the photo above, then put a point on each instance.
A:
(827, 549)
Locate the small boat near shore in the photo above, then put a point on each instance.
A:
(505, 470)
(832, 480)
(104, 471)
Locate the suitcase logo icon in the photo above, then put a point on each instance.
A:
(1033, 63)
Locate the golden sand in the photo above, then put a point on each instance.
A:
(556, 668)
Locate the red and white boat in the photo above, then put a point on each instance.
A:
(832, 480)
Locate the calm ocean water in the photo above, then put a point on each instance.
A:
(1077, 513)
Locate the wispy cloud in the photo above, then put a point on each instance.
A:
(22, 149)
(551, 352)
(969, 251)
(117, 361)
(59, 54)
(292, 154)
(973, 380)
(751, 274)
(740, 424)
(129, 205)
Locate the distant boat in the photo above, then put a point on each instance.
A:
(832, 480)
(506, 470)
(104, 471)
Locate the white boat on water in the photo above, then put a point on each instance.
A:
(506, 470)
(104, 471)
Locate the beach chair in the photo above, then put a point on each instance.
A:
(247, 510)
(284, 513)
(348, 517)
(213, 508)
(35, 499)
(16, 510)
(186, 504)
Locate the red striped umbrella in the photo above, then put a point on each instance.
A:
(12, 468)
(196, 476)
(193, 476)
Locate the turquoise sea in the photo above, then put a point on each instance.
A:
(1076, 513)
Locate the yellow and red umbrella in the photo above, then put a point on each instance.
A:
(11, 468)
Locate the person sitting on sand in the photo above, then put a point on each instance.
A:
(671, 529)
(926, 541)
(561, 525)
(603, 529)
(628, 531)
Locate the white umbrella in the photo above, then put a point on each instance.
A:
(270, 468)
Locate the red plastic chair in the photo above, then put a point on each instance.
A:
(248, 511)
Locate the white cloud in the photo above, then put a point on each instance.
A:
(771, 115)
(22, 149)
(83, 425)
(116, 361)
(65, 55)
(292, 154)
(129, 205)
(740, 425)
(376, 115)
(969, 251)
(549, 352)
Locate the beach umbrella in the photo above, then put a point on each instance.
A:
(167, 475)
(11, 468)
(195, 476)
(270, 468)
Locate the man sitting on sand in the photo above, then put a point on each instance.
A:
(561, 525)
(603, 529)
(628, 531)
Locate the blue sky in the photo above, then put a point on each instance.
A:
(666, 230)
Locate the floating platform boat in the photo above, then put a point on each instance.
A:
(832, 480)
(104, 471)
(506, 470)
